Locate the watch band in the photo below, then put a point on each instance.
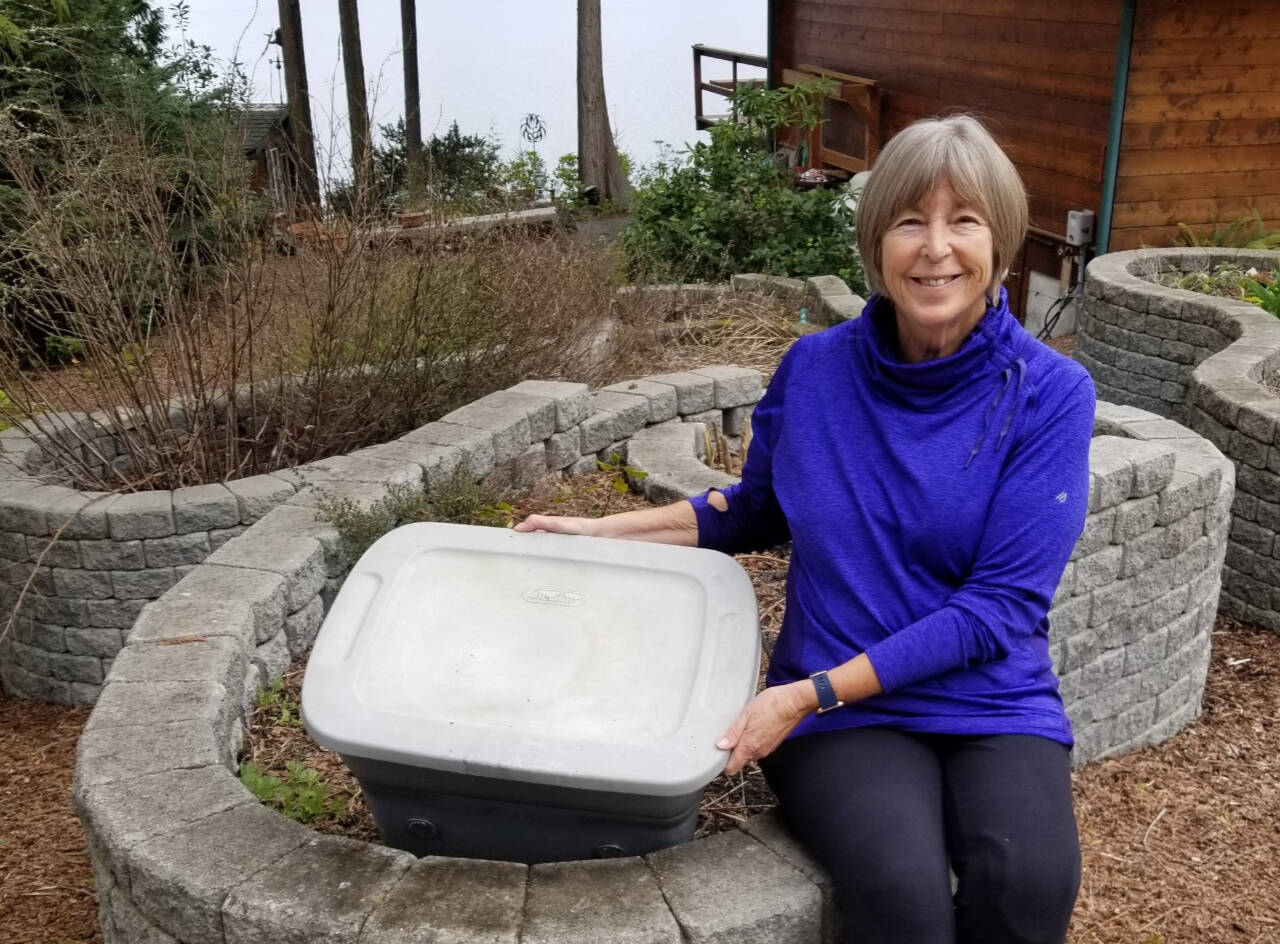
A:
(827, 700)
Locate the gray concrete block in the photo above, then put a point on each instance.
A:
(217, 659)
(769, 830)
(662, 397)
(215, 601)
(204, 507)
(510, 429)
(1256, 538)
(460, 901)
(258, 494)
(42, 636)
(570, 400)
(222, 535)
(141, 515)
(20, 681)
(1109, 601)
(1110, 472)
(142, 584)
(183, 877)
(84, 584)
(734, 386)
(272, 657)
(51, 553)
(118, 613)
(112, 555)
(695, 393)
(630, 411)
(279, 548)
(460, 445)
(730, 889)
(124, 923)
(100, 641)
(597, 432)
(1142, 552)
(320, 893)
(1135, 517)
(62, 666)
(615, 900)
(120, 814)
(1097, 569)
(520, 472)
(59, 612)
(80, 515)
(788, 289)
(1153, 464)
(737, 420)
(563, 449)
(300, 628)
(131, 704)
(1068, 617)
(584, 466)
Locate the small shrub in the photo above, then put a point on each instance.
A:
(1267, 297)
(622, 473)
(279, 705)
(301, 794)
(728, 207)
(460, 499)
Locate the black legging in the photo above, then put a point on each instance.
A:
(886, 812)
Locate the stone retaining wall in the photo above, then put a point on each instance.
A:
(1213, 364)
(183, 853)
(114, 553)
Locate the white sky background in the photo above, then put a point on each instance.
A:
(488, 64)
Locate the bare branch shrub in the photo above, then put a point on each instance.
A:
(202, 354)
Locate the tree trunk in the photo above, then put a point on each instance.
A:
(357, 103)
(412, 102)
(301, 135)
(598, 163)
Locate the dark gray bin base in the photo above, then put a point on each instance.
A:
(431, 812)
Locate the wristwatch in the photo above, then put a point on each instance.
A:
(827, 700)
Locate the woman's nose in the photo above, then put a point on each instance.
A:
(937, 245)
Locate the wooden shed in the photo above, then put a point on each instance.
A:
(1148, 112)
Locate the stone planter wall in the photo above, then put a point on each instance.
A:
(114, 553)
(183, 853)
(1211, 363)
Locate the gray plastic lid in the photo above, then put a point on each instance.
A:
(584, 662)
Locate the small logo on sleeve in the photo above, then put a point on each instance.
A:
(1060, 498)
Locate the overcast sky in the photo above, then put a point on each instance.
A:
(488, 64)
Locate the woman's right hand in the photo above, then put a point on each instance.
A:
(559, 524)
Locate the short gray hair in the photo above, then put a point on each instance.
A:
(960, 151)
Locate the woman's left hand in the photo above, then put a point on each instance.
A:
(765, 722)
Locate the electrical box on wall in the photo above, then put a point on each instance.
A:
(1079, 227)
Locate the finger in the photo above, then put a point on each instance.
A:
(729, 740)
(543, 523)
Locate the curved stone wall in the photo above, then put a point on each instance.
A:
(115, 553)
(183, 853)
(1212, 363)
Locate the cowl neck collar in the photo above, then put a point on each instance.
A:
(982, 356)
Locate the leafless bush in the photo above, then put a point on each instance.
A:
(204, 355)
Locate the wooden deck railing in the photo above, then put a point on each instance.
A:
(719, 86)
(859, 95)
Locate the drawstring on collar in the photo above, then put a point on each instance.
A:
(1007, 374)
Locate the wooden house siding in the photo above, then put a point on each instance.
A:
(1038, 72)
(1201, 139)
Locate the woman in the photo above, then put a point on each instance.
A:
(929, 462)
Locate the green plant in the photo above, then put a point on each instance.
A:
(1266, 297)
(302, 794)
(459, 499)
(279, 704)
(622, 473)
(726, 207)
(1246, 232)
(521, 174)
(63, 350)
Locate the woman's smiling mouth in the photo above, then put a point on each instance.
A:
(935, 282)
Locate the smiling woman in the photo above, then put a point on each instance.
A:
(939, 234)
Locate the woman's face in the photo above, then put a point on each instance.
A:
(937, 265)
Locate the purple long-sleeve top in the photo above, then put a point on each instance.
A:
(932, 508)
